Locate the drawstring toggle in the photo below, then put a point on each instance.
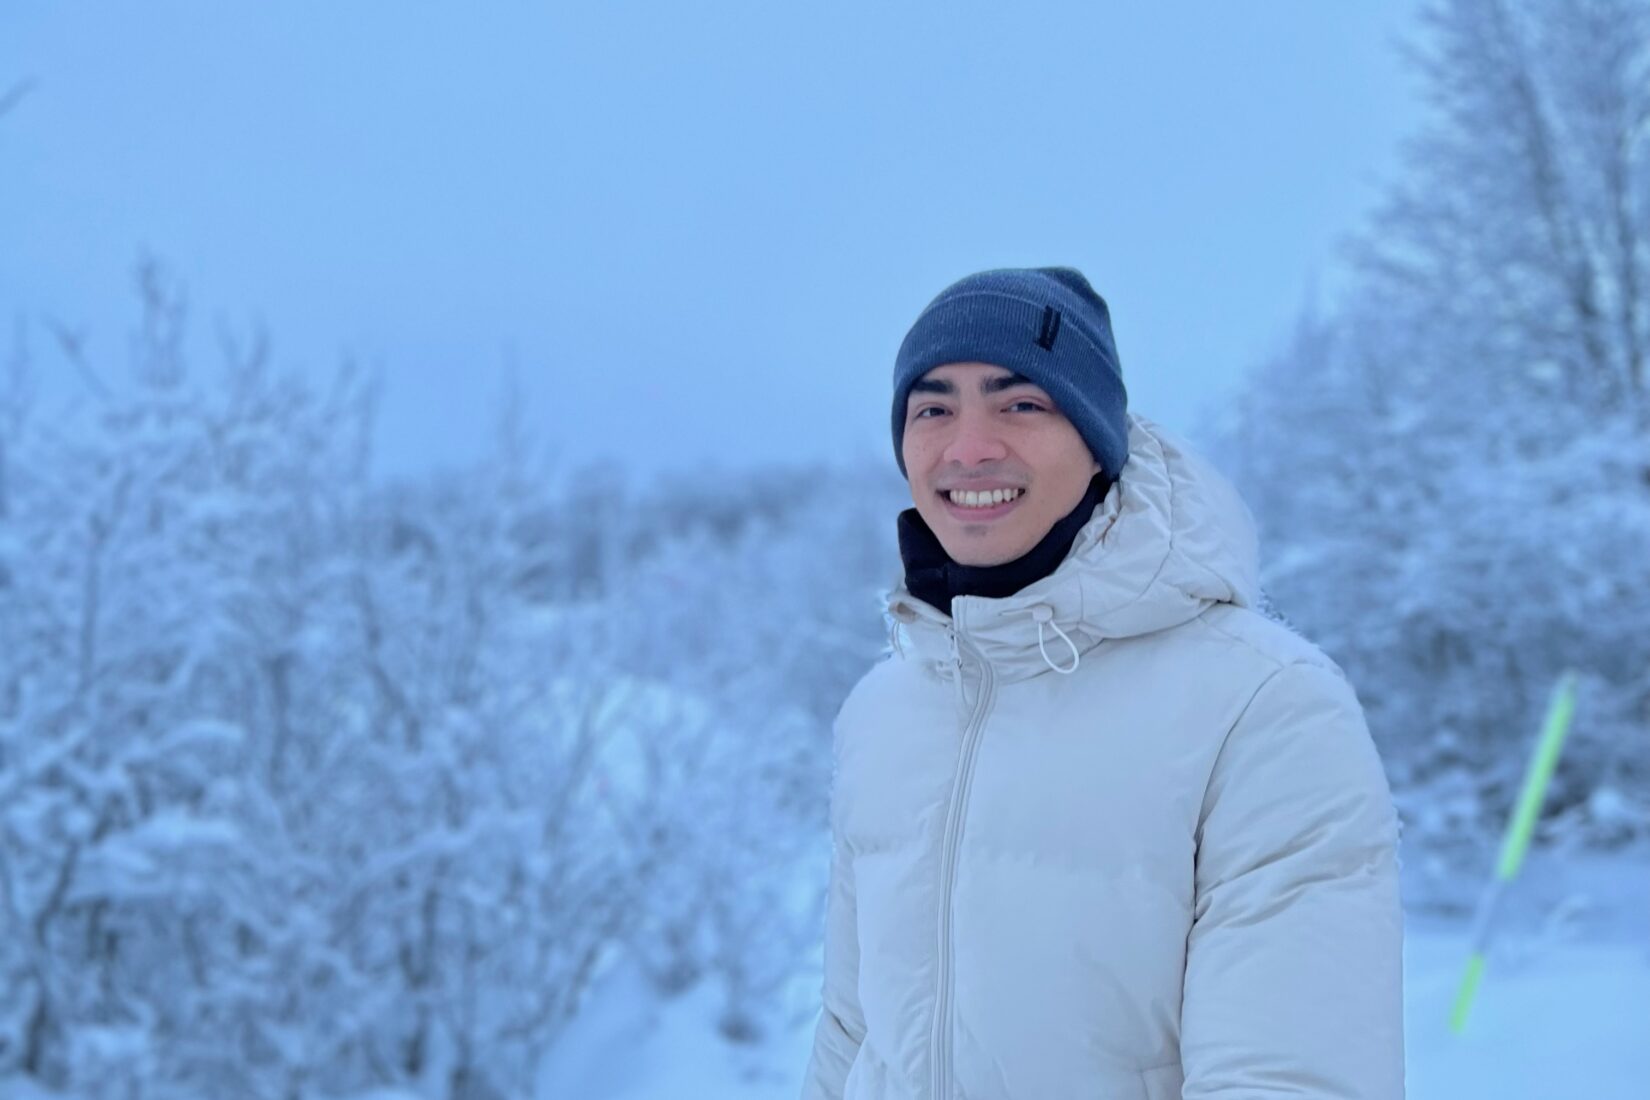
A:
(1044, 615)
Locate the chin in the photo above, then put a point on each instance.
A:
(977, 555)
(985, 563)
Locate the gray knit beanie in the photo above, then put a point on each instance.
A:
(1045, 323)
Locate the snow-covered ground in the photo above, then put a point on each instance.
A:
(1566, 1021)
(1563, 1012)
(1571, 1022)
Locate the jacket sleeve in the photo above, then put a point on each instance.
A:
(1294, 964)
(841, 1028)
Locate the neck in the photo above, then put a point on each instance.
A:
(933, 577)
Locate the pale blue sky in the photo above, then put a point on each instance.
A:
(699, 231)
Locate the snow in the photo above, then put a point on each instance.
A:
(1570, 1021)
(1552, 1021)
(629, 1045)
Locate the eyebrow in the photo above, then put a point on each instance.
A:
(993, 383)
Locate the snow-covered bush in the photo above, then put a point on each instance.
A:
(314, 785)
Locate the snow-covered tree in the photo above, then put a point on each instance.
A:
(1451, 463)
(311, 784)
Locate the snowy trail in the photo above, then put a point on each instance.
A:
(1564, 1021)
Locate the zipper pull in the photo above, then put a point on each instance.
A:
(957, 672)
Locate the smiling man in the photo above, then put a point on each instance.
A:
(1101, 828)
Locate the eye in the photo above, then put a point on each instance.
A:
(1034, 406)
(918, 415)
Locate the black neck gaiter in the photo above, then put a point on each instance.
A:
(931, 575)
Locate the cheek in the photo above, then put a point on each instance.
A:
(914, 449)
(1065, 452)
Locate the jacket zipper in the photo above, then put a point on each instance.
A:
(940, 1036)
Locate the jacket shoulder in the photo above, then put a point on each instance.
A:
(889, 669)
(1274, 642)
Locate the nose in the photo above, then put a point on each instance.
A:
(974, 440)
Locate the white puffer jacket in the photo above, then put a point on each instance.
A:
(1115, 837)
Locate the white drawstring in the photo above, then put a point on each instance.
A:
(1045, 614)
(1042, 613)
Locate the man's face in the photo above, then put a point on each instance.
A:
(978, 427)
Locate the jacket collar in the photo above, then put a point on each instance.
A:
(1170, 538)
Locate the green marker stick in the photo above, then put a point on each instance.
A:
(1517, 839)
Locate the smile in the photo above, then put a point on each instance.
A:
(981, 506)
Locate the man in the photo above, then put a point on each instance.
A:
(1101, 829)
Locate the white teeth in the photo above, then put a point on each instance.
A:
(969, 499)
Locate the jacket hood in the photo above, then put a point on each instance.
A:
(1171, 538)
